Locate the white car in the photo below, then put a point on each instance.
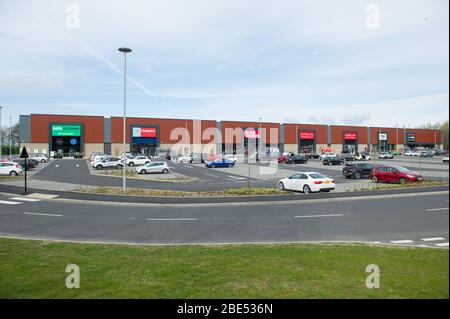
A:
(232, 158)
(187, 159)
(309, 182)
(107, 162)
(327, 154)
(412, 153)
(10, 168)
(138, 160)
(445, 159)
(362, 157)
(385, 155)
(154, 167)
(41, 158)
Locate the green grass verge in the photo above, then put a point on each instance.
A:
(36, 269)
(377, 186)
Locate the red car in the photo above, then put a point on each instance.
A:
(390, 174)
(282, 159)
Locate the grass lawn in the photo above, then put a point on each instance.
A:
(36, 269)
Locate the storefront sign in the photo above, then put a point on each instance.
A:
(66, 130)
(307, 135)
(411, 137)
(251, 133)
(382, 137)
(144, 132)
(350, 136)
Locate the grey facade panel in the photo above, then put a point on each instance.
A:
(25, 128)
(282, 134)
(368, 136)
(219, 139)
(107, 130)
(329, 136)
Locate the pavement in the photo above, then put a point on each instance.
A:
(413, 219)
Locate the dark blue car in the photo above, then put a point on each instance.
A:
(221, 162)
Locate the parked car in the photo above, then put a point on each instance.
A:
(154, 167)
(108, 162)
(357, 170)
(40, 157)
(327, 154)
(333, 161)
(138, 160)
(363, 156)
(232, 158)
(390, 174)
(445, 159)
(348, 157)
(395, 153)
(426, 154)
(10, 168)
(438, 153)
(21, 162)
(187, 159)
(219, 163)
(411, 153)
(296, 159)
(385, 155)
(312, 155)
(309, 182)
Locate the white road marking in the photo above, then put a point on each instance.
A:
(319, 216)
(172, 219)
(25, 199)
(8, 202)
(57, 165)
(39, 214)
(433, 239)
(407, 241)
(442, 245)
(237, 178)
(437, 209)
(78, 165)
(212, 175)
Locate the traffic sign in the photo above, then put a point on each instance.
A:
(24, 153)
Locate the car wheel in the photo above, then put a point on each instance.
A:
(403, 181)
(131, 164)
(281, 187)
(307, 189)
(42, 161)
(143, 171)
(99, 167)
(13, 173)
(357, 175)
(165, 171)
(119, 166)
(147, 162)
(331, 164)
(375, 179)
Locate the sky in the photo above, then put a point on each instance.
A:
(354, 62)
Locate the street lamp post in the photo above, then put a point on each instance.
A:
(10, 139)
(1, 153)
(260, 139)
(124, 180)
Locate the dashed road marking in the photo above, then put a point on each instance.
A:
(25, 199)
(433, 239)
(406, 241)
(41, 214)
(442, 245)
(172, 219)
(237, 178)
(212, 175)
(437, 209)
(8, 202)
(57, 165)
(319, 216)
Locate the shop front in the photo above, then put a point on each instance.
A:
(144, 140)
(251, 141)
(350, 144)
(66, 140)
(307, 142)
(383, 145)
(410, 140)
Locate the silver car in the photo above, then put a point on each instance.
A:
(154, 167)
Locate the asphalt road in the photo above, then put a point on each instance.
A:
(417, 219)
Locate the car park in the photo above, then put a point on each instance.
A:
(296, 159)
(153, 167)
(385, 155)
(357, 170)
(138, 160)
(333, 161)
(108, 162)
(390, 174)
(10, 168)
(40, 157)
(327, 154)
(309, 182)
(445, 159)
(220, 163)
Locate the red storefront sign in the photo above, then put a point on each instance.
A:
(144, 132)
(251, 133)
(350, 136)
(307, 135)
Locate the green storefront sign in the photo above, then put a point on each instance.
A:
(66, 130)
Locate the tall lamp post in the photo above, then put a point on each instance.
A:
(1, 153)
(260, 139)
(124, 51)
(10, 139)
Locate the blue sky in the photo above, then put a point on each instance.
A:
(286, 60)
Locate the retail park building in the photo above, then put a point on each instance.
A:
(67, 134)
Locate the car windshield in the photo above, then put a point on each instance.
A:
(403, 170)
(317, 175)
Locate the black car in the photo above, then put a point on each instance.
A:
(30, 163)
(312, 155)
(333, 160)
(348, 157)
(296, 159)
(357, 170)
